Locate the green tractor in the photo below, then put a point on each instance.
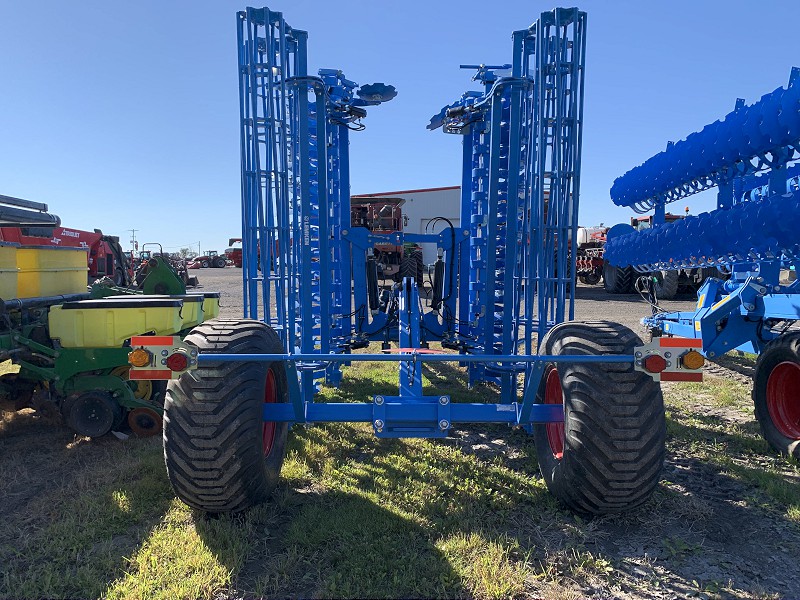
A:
(411, 264)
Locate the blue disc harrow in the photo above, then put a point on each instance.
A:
(752, 156)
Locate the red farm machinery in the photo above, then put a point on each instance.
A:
(105, 257)
(234, 252)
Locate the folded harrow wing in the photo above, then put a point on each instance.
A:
(751, 156)
(500, 287)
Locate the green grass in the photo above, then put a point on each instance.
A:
(734, 445)
(354, 516)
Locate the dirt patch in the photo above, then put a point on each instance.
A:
(706, 533)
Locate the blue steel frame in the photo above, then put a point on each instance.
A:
(751, 156)
(305, 268)
(520, 189)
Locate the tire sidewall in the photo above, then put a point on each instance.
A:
(225, 402)
(666, 285)
(609, 277)
(551, 466)
(589, 391)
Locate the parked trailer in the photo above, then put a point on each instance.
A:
(500, 287)
(751, 156)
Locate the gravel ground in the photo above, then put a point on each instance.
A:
(228, 282)
(592, 302)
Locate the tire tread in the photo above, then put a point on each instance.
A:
(616, 433)
(212, 421)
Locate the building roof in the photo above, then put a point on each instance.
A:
(436, 189)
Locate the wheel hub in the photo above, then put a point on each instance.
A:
(783, 399)
(142, 389)
(553, 394)
(268, 428)
(92, 414)
(144, 422)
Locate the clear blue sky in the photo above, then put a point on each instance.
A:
(125, 115)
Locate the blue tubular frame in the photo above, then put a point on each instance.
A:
(520, 189)
(752, 157)
(296, 190)
(305, 266)
(270, 53)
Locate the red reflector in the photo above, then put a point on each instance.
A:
(677, 342)
(681, 377)
(654, 363)
(149, 374)
(177, 362)
(152, 340)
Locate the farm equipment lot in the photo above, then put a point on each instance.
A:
(356, 516)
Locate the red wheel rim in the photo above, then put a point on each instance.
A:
(783, 398)
(268, 428)
(553, 394)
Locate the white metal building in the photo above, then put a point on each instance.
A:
(422, 206)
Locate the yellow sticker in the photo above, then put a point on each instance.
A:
(720, 303)
(700, 300)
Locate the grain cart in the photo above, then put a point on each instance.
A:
(751, 157)
(591, 398)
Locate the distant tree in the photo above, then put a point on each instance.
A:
(187, 253)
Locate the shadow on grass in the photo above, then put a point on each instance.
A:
(708, 428)
(396, 521)
(357, 516)
(444, 494)
(76, 507)
(743, 364)
(742, 455)
(388, 517)
(333, 544)
(391, 518)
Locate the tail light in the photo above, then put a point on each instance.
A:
(177, 361)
